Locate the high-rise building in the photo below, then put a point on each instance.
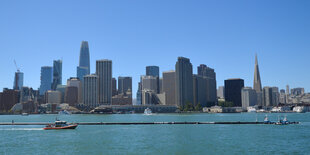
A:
(205, 71)
(62, 90)
(71, 95)
(220, 92)
(249, 97)
(53, 97)
(184, 81)
(57, 74)
(75, 82)
(297, 91)
(149, 83)
(8, 98)
(169, 87)
(257, 84)
(46, 79)
(282, 99)
(152, 71)
(209, 77)
(199, 90)
(233, 91)
(114, 88)
(139, 94)
(287, 89)
(84, 64)
(104, 73)
(270, 96)
(124, 84)
(91, 90)
(18, 80)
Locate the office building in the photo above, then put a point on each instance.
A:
(114, 88)
(8, 98)
(124, 85)
(72, 95)
(75, 82)
(91, 91)
(104, 73)
(297, 91)
(270, 96)
(62, 90)
(206, 71)
(57, 74)
(233, 91)
(220, 92)
(257, 84)
(53, 97)
(184, 81)
(168, 85)
(249, 97)
(152, 71)
(149, 83)
(46, 79)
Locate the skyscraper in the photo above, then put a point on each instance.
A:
(124, 84)
(104, 73)
(184, 81)
(84, 65)
(205, 71)
(91, 90)
(46, 79)
(152, 71)
(18, 80)
(257, 85)
(169, 87)
(270, 96)
(57, 74)
(209, 78)
(249, 97)
(75, 82)
(233, 91)
(114, 88)
(149, 83)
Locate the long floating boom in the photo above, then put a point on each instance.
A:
(141, 123)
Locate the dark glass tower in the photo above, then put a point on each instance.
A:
(184, 81)
(84, 65)
(233, 91)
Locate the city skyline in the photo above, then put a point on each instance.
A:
(281, 40)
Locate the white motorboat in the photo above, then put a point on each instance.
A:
(148, 111)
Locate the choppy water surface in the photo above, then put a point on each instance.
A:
(157, 139)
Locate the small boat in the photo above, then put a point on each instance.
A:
(60, 125)
(266, 120)
(148, 111)
(251, 109)
(282, 122)
(64, 112)
(25, 114)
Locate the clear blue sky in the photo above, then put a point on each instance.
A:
(223, 34)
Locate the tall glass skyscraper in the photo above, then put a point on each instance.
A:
(57, 74)
(18, 80)
(46, 79)
(84, 65)
(152, 71)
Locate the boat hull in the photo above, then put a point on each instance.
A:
(59, 128)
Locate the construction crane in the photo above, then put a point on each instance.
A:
(18, 69)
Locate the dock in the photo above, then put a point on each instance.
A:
(141, 123)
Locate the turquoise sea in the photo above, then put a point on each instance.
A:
(157, 139)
